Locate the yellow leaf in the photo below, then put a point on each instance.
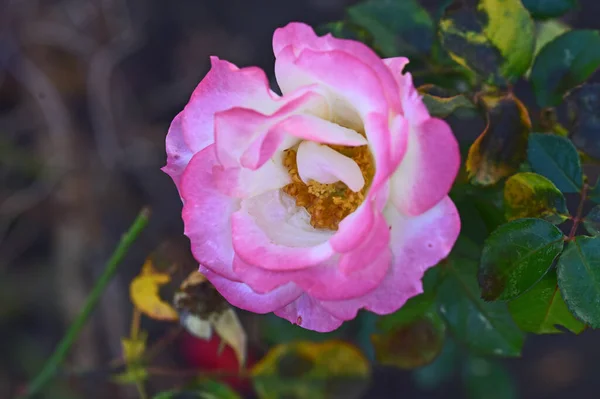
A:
(133, 349)
(312, 371)
(143, 291)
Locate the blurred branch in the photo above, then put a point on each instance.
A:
(59, 355)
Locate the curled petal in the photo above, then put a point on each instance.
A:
(237, 129)
(242, 296)
(428, 168)
(306, 312)
(292, 130)
(325, 165)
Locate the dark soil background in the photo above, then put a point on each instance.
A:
(87, 91)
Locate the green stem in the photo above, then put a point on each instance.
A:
(52, 364)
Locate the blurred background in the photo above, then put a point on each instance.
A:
(87, 91)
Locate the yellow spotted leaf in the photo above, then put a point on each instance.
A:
(308, 370)
(144, 293)
(494, 38)
(528, 195)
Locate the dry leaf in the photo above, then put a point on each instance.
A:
(202, 308)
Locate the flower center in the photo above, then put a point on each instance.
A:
(329, 204)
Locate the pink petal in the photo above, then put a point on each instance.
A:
(417, 243)
(428, 169)
(206, 214)
(344, 75)
(307, 313)
(224, 86)
(240, 182)
(325, 165)
(240, 295)
(300, 37)
(178, 153)
(413, 107)
(343, 276)
(291, 131)
(251, 241)
(236, 129)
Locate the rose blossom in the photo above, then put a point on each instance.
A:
(328, 199)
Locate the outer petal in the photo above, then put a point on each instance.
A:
(307, 313)
(341, 73)
(428, 168)
(206, 214)
(178, 153)
(417, 243)
(412, 105)
(242, 296)
(300, 36)
(224, 86)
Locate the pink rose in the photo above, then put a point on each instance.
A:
(326, 200)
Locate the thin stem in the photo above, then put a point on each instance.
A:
(59, 355)
(577, 219)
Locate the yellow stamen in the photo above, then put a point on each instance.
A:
(329, 204)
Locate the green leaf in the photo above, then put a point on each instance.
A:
(584, 103)
(414, 309)
(206, 389)
(542, 308)
(488, 380)
(411, 345)
(556, 158)
(307, 370)
(501, 148)
(496, 39)
(516, 256)
(442, 107)
(484, 327)
(579, 278)
(342, 30)
(592, 221)
(543, 9)
(564, 63)
(398, 27)
(529, 195)
(546, 31)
